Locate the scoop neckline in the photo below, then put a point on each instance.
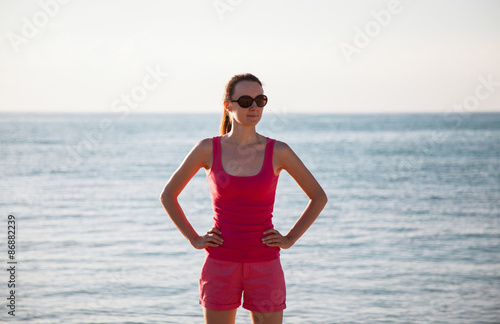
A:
(235, 176)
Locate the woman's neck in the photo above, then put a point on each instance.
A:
(243, 135)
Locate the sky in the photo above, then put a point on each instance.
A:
(317, 56)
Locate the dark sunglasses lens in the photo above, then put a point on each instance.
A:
(261, 100)
(245, 101)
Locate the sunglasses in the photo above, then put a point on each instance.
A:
(247, 101)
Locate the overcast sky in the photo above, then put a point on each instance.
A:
(312, 56)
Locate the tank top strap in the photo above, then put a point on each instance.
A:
(216, 156)
(268, 158)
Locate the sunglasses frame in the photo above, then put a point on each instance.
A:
(253, 100)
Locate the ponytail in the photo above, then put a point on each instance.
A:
(225, 126)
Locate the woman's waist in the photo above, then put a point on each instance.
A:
(242, 236)
(240, 211)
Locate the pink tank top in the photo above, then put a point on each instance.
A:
(243, 208)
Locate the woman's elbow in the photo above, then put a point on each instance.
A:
(166, 195)
(163, 198)
(321, 198)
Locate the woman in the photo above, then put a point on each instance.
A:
(242, 248)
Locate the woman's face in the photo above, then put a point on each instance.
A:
(246, 116)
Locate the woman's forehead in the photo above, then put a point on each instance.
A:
(248, 88)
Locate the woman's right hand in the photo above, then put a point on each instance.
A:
(210, 239)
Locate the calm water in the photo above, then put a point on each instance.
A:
(411, 233)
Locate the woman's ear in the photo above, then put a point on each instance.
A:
(226, 105)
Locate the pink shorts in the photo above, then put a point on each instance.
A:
(262, 285)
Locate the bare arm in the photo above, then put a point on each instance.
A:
(200, 156)
(286, 159)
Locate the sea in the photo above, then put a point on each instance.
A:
(410, 234)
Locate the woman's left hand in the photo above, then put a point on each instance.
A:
(274, 238)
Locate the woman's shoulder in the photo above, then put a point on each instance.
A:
(205, 144)
(202, 152)
(280, 146)
(282, 151)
